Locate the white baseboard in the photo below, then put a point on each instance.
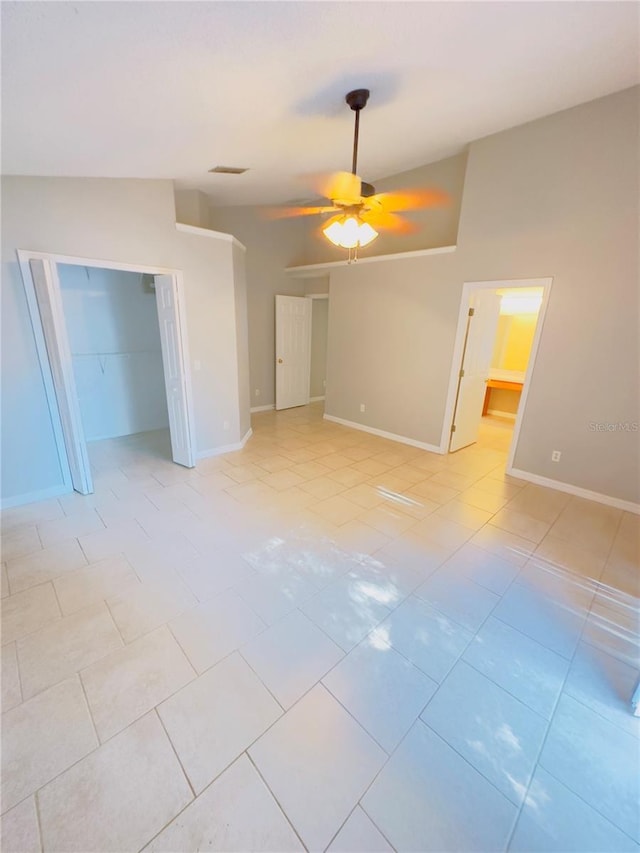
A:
(510, 415)
(32, 497)
(316, 399)
(225, 448)
(401, 439)
(268, 408)
(570, 489)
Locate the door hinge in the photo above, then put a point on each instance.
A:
(453, 427)
(472, 311)
(461, 373)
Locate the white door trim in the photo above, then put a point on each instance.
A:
(468, 288)
(75, 425)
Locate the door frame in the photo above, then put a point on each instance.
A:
(71, 429)
(468, 288)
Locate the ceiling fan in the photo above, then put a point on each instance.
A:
(358, 210)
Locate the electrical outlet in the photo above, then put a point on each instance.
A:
(555, 455)
(226, 425)
(197, 365)
(324, 383)
(362, 407)
(257, 392)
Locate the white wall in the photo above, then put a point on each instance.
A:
(131, 222)
(112, 326)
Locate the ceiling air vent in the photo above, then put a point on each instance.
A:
(227, 170)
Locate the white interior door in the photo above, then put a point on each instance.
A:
(44, 277)
(482, 325)
(293, 351)
(175, 370)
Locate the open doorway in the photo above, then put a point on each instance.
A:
(113, 339)
(494, 357)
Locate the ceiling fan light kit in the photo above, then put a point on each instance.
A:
(358, 210)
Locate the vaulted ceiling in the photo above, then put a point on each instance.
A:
(171, 89)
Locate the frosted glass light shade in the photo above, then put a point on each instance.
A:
(349, 232)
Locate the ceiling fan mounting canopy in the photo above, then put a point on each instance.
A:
(357, 99)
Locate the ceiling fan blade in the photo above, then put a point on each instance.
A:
(286, 212)
(342, 186)
(409, 199)
(386, 221)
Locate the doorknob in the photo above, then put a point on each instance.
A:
(279, 361)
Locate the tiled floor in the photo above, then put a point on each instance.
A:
(324, 641)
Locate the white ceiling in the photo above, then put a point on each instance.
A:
(168, 90)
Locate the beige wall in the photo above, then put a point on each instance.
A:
(436, 226)
(271, 246)
(192, 208)
(557, 197)
(391, 331)
(319, 329)
(116, 220)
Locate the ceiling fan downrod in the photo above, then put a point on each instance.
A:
(357, 100)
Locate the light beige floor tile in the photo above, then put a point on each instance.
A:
(70, 527)
(337, 510)
(318, 762)
(94, 583)
(311, 470)
(30, 514)
(504, 544)
(566, 555)
(482, 499)
(216, 717)
(20, 542)
(372, 467)
(499, 488)
(251, 493)
(291, 656)
(112, 541)
(66, 646)
(27, 611)
(209, 576)
(280, 480)
(358, 538)
(324, 487)
(436, 492)
(10, 678)
(274, 463)
(42, 737)
(118, 797)
(19, 832)
(212, 630)
(387, 520)
(348, 476)
(539, 502)
(4, 582)
(453, 480)
(148, 605)
(520, 524)
(462, 513)
(235, 814)
(442, 532)
(127, 683)
(364, 495)
(246, 473)
(594, 526)
(25, 572)
(359, 834)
